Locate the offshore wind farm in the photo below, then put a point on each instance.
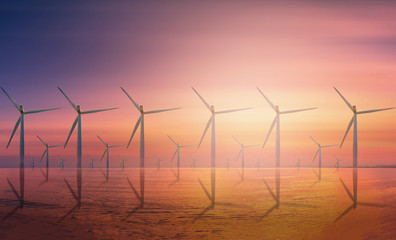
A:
(248, 128)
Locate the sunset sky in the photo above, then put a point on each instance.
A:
(295, 52)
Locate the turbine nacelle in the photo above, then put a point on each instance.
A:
(354, 109)
(78, 108)
(20, 109)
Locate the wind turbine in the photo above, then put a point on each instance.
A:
(62, 163)
(123, 162)
(140, 122)
(354, 122)
(158, 164)
(193, 162)
(277, 146)
(77, 122)
(20, 121)
(213, 143)
(320, 155)
(177, 151)
(258, 163)
(91, 163)
(46, 153)
(242, 152)
(227, 163)
(338, 161)
(298, 163)
(106, 151)
(33, 161)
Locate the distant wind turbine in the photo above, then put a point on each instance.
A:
(91, 163)
(354, 122)
(158, 163)
(106, 151)
(62, 163)
(122, 165)
(77, 122)
(320, 155)
(338, 161)
(227, 163)
(213, 141)
(193, 162)
(20, 121)
(177, 151)
(242, 152)
(47, 153)
(33, 161)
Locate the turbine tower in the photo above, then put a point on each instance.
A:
(106, 151)
(320, 155)
(242, 152)
(354, 122)
(77, 122)
(213, 143)
(20, 121)
(277, 145)
(46, 153)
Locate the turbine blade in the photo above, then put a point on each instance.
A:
(347, 190)
(270, 130)
(330, 145)
(71, 130)
(314, 140)
(55, 146)
(239, 154)
(297, 110)
(269, 102)
(174, 155)
(45, 151)
(42, 110)
(232, 110)
(346, 133)
(206, 129)
(99, 110)
(346, 101)
(374, 110)
(13, 131)
(42, 141)
(103, 154)
(316, 155)
(102, 141)
(344, 213)
(237, 141)
(202, 99)
(130, 98)
(117, 146)
(206, 191)
(184, 146)
(161, 110)
(12, 100)
(68, 99)
(250, 146)
(172, 140)
(134, 130)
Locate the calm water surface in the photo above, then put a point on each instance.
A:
(307, 209)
